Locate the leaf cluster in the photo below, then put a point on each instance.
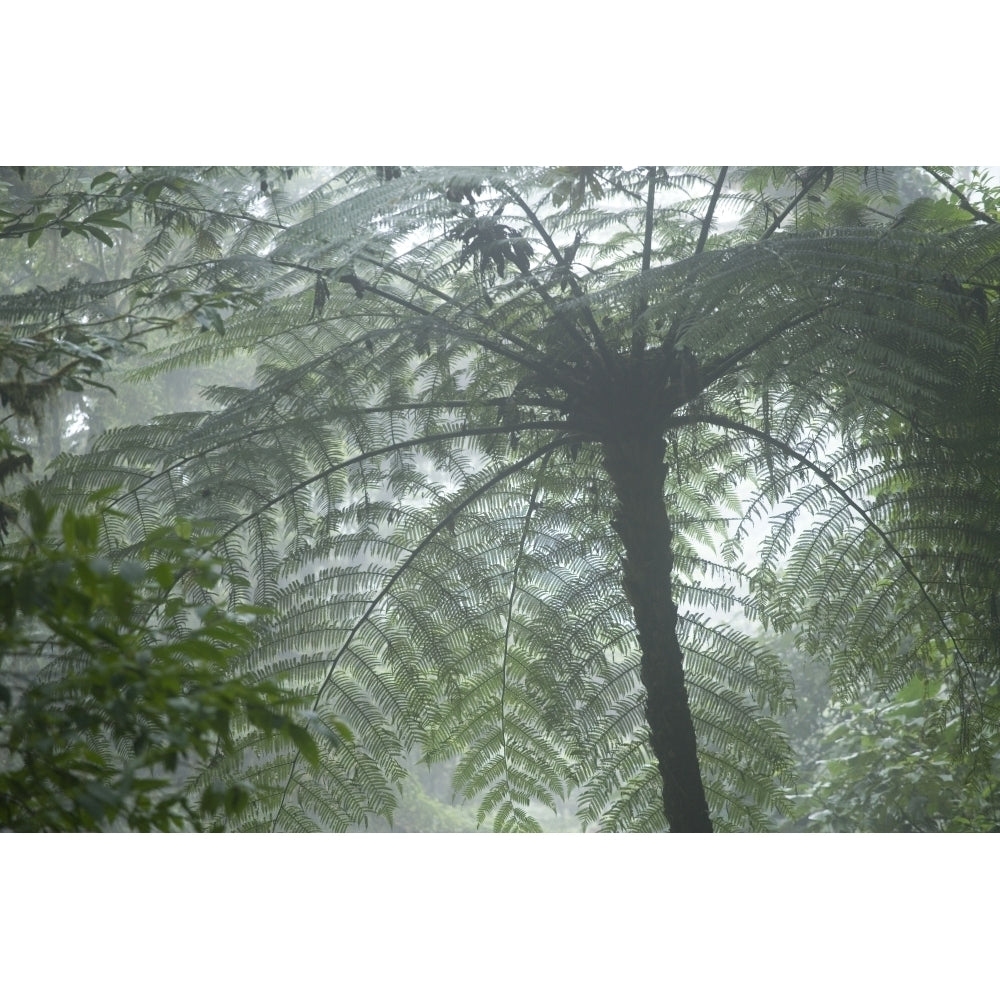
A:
(898, 767)
(115, 685)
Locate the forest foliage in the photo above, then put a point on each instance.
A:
(518, 471)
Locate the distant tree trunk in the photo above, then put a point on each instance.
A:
(635, 461)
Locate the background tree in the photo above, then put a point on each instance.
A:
(926, 758)
(898, 766)
(117, 677)
(489, 471)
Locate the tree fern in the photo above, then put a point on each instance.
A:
(492, 470)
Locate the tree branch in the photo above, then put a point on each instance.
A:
(647, 240)
(445, 297)
(706, 224)
(638, 321)
(595, 330)
(812, 177)
(546, 366)
(713, 371)
(962, 199)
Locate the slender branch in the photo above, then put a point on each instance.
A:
(406, 406)
(196, 210)
(639, 322)
(545, 368)
(647, 240)
(445, 297)
(713, 371)
(706, 225)
(595, 330)
(962, 199)
(541, 230)
(811, 179)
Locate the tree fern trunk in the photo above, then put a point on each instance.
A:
(635, 464)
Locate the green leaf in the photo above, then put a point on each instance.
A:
(107, 217)
(100, 234)
(163, 574)
(304, 743)
(40, 516)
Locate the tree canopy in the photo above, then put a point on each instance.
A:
(531, 456)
